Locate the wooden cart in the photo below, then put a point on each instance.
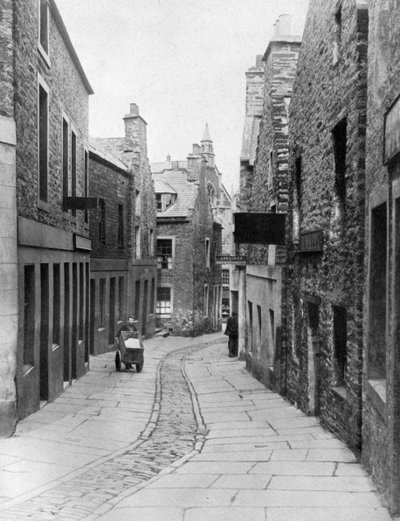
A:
(130, 351)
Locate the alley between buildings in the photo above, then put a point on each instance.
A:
(194, 436)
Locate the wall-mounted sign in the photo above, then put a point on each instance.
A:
(259, 228)
(231, 259)
(311, 242)
(392, 132)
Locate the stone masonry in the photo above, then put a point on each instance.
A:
(327, 164)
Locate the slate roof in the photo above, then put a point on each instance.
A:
(106, 156)
(186, 192)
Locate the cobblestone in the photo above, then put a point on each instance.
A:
(173, 436)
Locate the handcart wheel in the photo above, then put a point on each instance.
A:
(118, 361)
(139, 367)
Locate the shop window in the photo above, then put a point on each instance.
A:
(340, 343)
(377, 294)
(29, 316)
(164, 254)
(164, 307)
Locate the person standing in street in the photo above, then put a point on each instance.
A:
(232, 331)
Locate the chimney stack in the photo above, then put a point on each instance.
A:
(135, 132)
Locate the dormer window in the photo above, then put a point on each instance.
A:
(164, 201)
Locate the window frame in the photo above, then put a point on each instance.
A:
(166, 238)
(171, 290)
(43, 5)
(42, 85)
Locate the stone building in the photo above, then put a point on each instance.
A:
(381, 393)
(189, 237)
(264, 189)
(326, 218)
(45, 258)
(110, 231)
(137, 220)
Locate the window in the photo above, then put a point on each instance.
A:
(44, 26)
(164, 201)
(73, 167)
(297, 199)
(86, 187)
(102, 221)
(138, 205)
(259, 316)
(164, 307)
(339, 134)
(270, 168)
(65, 158)
(151, 243)
(377, 294)
(137, 242)
(159, 202)
(29, 315)
(152, 296)
(340, 342)
(164, 254)
(102, 302)
(337, 46)
(81, 301)
(43, 143)
(120, 226)
(207, 252)
(225, 277)
(56, 304)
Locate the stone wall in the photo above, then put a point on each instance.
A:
(116, 188)
(381, 406)
(68, 95)
(330, 85)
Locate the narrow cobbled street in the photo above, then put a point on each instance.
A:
(193, 437)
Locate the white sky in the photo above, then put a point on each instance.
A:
(182, 61)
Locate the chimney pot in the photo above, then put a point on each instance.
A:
(284, 25)
(134, 109)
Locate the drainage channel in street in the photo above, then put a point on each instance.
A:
(173, 436)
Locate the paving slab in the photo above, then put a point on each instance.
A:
(327, 514)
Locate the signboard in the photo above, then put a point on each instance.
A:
(259, 228)
(392, 132)
(311, 241)
(231, 259)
